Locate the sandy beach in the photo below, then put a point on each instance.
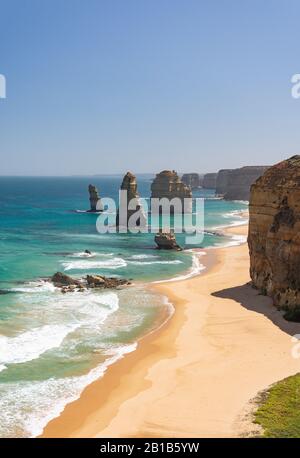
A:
(195, 376)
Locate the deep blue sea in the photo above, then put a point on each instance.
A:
(52, 345)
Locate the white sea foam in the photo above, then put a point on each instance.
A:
(36, 403)
(38, 286)
(195, 269)
(143, 256)
(76, 309)
(31, 344)
(234, 240)
(147, 263)
(114, 263)
(83, 254)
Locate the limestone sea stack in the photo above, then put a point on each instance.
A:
(169, 185)
(209, 180)
(274, 233)
(95, 201)
(240, 180)
(166, 241)
(193, 180)
(222, 181)
(129, 185)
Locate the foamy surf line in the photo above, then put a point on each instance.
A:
(37, 425)
(98, 372)
(196, 269)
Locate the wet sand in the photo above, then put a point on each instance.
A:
(195, 376)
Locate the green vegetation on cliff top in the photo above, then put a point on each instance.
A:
(279, 411)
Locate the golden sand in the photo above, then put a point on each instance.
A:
(195, 376)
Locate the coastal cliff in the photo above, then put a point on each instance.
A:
(240, 180)
(209, 180)
(274, 233)
(193, 180)
(222, 181)
(129, 185)
(169, 185)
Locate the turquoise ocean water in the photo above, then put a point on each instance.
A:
(53, 345)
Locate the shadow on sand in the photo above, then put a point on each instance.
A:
(251, 299)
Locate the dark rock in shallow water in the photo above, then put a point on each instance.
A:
(98, 281)
(166, 241)
(60, 279)
(68, 284)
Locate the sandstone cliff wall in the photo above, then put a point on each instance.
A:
(209, 180)
(274, 233)
(193, 180)
(222, 181)
(240, 180)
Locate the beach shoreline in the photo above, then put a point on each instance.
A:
(218, 350)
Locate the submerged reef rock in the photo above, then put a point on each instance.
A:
(274, 233)
(209, 180)
(167, 184)
(125, 214)
(193, 180)
(222, 181)
(95, 200)
(166, 241)
(240, 180)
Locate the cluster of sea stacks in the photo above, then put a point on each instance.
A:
(231, 184)
(274, 234)
(274, 223)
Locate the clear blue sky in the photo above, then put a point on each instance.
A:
(106, 86)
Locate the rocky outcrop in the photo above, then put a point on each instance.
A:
(222, 181)
(274, 233)
(238, 186)
(60, 279)
(95, 201)
(166, 241)
(68, 284)
(209, 180)
(124, 214)
(167, 184)
(97, 281)
(193, 180)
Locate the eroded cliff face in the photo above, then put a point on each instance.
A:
(222, 181)
(240, 181)
(125, 211)
(274, 233)
(209, 180)
(193, 180)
